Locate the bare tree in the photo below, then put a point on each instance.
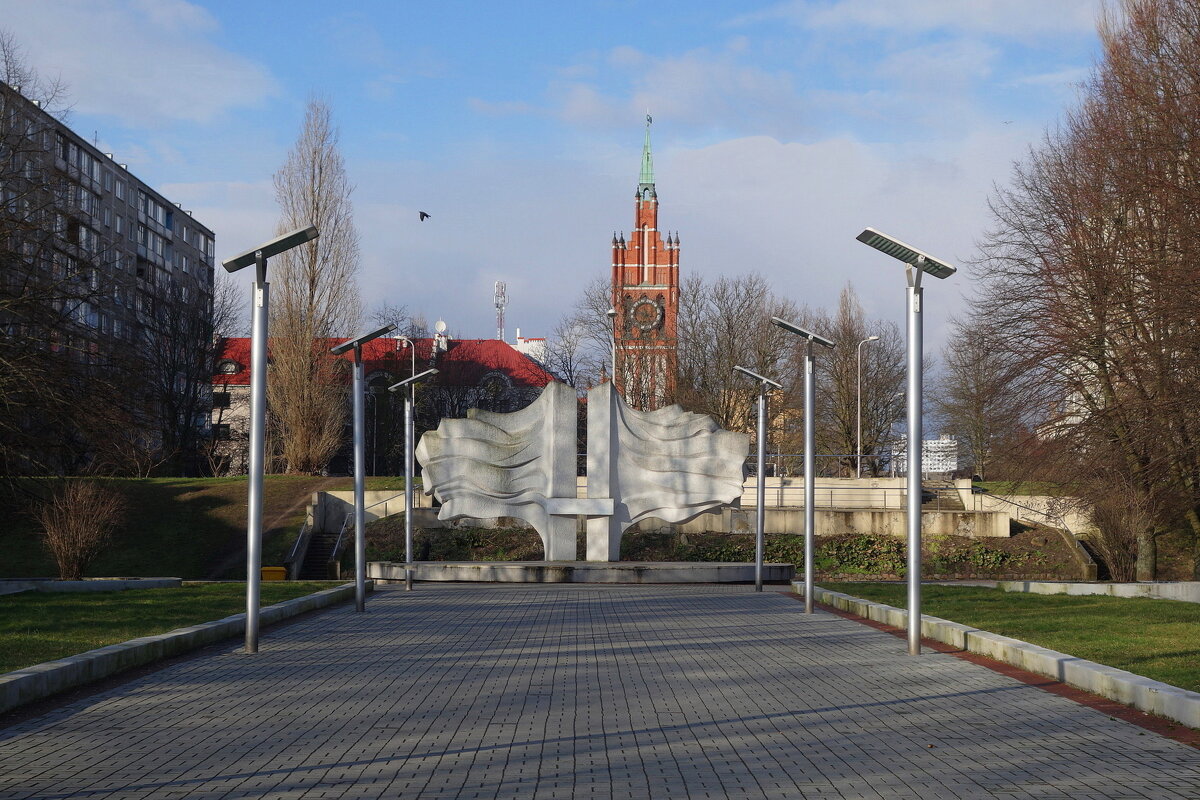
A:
(723, 323)
(315, 297)
(975, 397)
(837, 388)
(1090, 279)
(78, 520)
(18, 72)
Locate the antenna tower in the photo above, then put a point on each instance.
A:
(501, 300)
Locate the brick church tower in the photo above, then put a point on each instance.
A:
(645, 296)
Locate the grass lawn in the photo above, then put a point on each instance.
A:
(1159, 639)
(191, 528)
(43, 626)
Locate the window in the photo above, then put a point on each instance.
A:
(107, 217)
(120, 189)
(120, 226)
(108, 180)
(231, 367)
(221, 432)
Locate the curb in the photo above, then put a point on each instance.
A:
(1153, 697)
(43, 680)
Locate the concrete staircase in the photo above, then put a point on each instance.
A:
(316, 560)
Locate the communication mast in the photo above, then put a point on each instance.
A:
(501, 300)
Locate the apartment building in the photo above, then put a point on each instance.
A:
(95, 263)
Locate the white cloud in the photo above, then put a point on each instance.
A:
(702, 88)
(144, 62)
(1011, 18)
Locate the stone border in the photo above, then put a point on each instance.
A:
(580, 572)
(1153, 697)
(16, 586)
(43, 680)
(1183, 591)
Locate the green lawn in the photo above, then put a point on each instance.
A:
(1159, 639)
(179, 527)
(43, 626)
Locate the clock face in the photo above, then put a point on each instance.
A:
(646, 314)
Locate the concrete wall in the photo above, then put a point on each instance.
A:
(1184, 591)
(834, 521)
(1029, 509)
(329, 509)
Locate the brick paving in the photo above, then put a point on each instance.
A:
(567, 691)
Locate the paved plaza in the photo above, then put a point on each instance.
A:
(570, 691)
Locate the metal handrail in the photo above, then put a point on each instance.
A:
(291, 556)
(336, 554)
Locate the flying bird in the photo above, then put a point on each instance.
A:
(423, 216)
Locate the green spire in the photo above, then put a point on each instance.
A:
(647, 179)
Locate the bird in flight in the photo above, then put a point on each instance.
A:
(423, 216)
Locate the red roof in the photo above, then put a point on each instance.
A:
(465, 362)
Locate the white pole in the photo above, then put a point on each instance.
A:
(913, 483)
(810, 480)
(409, 431)
(360, 468)
(760, 537)
(258, 438)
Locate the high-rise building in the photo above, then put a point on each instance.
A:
(100, 270)
(645, 297)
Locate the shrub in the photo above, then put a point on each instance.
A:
(78, 520)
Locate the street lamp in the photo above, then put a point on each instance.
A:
(612, 340)
(916, 263)
(810, 459)
(760, 529)
(360, 463)
(858, 440)
(260, 299)
(412, 346)
(409, 432)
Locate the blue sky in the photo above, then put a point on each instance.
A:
(781, 129)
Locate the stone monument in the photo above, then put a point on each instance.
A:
(669, 464)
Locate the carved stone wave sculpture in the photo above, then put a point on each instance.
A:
(668, 464)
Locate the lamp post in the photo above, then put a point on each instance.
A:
(360, 463)
(858, 384)
(409, 431)
(916, 263)
(260, 307)
(761, 516)
(612, 340)
(810, 455)
(412, 346)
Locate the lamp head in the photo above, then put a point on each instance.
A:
(796, 329)
(757, 377)
(366, 337)
(395, 387)
(906, 253)
(271, 248)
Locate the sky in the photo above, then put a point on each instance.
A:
(781, 130)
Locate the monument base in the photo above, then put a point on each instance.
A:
(580, 572)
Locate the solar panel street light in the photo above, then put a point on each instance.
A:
(796, 329)
(409, 434)
(758, 377)
(916, 263)
(358, 390)
(906, 253)
(272, 248)
(810, 453)
(259, 314)
(760, 536)
(413, 379)
(361, 340)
